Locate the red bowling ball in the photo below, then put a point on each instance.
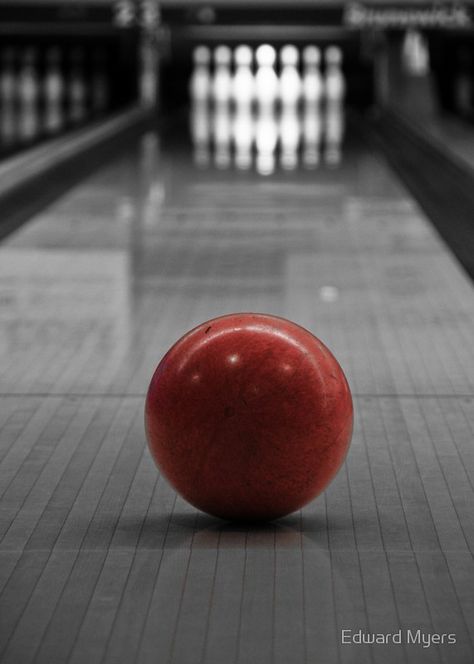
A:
(249, 416)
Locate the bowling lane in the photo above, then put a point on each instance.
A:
(100, 561)
(96, 288)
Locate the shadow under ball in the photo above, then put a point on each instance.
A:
(249, 417)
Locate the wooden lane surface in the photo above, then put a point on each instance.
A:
(95, 289)
(100, 561)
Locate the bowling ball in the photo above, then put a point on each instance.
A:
(249, 416)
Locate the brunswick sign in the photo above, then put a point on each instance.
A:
(357, 15)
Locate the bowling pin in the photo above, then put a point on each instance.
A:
(290, 132)
(334, 88)
(201, 132)
(77, 87)
(334, 82)
(28, 92)
(290, 84)
(312, 134)
(243, 82)
(266, 80)
(333, 133)
(243, 136)
(200, 83)
(148, 76)
(415, 53)
(53, 92)
(7, 98)
(312, 79)
(222, 80)
(266, 139)
(222, 132)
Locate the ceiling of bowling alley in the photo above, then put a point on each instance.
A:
(239, 3)
(241, 14)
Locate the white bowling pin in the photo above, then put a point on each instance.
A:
(222, 131)
(201, 132)
(290, 132)
(222, 80)
(200, 83)
(243, 135)
(334, 88)
(290, 84)
(53, 92)
(312, 79)
(333, 132)
(148, 73)
(312, 134)
(7, 97)
(334, 81)
(243, 82)
(266, 80)
(415, 53)
(28, 92)
(266, 139)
